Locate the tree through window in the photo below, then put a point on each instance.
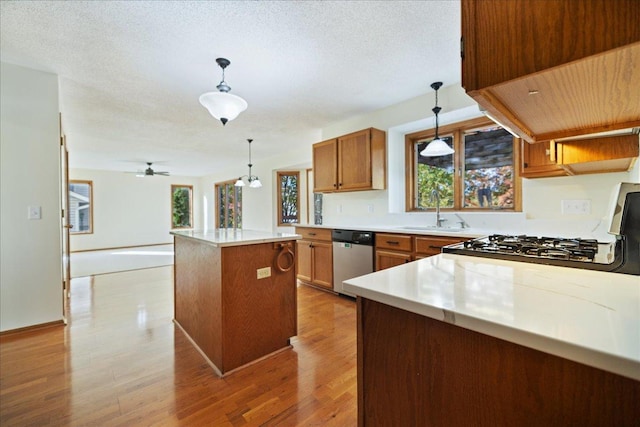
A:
(181, 206)
(288, 197)
(228, 205)
(480, 175)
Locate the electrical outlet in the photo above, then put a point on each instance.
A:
(264, 272)
(339, 209)
(576, 207)
(370, 208)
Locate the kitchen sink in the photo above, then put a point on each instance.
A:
(428, 228)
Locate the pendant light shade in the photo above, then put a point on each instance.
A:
(254, 181)
(222, 105)
(437, 146)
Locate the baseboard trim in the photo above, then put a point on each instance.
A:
(122, 247)
(32, 328)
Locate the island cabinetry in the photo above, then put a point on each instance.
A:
(393, 250)
(315, 257)
(529, 64)
(237, 304)
(616, 153)
(448, 375)
(352, 162)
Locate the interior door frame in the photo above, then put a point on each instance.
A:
(65, 225)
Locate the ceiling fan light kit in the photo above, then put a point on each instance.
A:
(254, 181)
(222, 105)
(437, 146)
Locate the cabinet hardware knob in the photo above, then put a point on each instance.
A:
(312, 234)
(393, 242)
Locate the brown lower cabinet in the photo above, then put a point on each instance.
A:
(394, 249)
(315, 257)
(418, 371)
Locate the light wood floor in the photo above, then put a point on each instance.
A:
(122, 362)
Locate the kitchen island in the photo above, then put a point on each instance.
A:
(457, 340)
(235, 294)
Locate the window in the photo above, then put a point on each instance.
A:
(181, 206)
(288, 198)
(81, 207)
(228, 205)
(480, 175)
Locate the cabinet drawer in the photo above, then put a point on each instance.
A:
(396, 242)
(433, 245)
(309, 233)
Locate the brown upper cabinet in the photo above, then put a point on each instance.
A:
(352, 162)
(616, 153)
(550, 69)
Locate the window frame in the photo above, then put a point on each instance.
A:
(237, 220)
(90, 184)
(190, 188)
(279, 175)
(457, 131)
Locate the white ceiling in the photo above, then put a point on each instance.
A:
(131, 72)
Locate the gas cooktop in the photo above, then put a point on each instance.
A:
(570, 252)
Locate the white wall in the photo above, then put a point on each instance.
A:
(30, 252)
(131, 211)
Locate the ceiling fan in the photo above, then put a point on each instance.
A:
(149, 172)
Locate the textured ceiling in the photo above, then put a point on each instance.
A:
(131, 72)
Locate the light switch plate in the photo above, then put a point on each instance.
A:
(34, 212)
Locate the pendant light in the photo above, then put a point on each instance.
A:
(222, 105)
(437, 146)
(254, 182)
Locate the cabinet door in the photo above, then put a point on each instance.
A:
(322, 264)
(325, 166)
(596, 155)
(354, 161)
(536, 161)
(304, 260)
(388, 259)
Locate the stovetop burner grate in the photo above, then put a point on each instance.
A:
(583, 250)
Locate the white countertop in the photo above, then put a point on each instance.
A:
(590, 317)
(426, 230)
(236, 237)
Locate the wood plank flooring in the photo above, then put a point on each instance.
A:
(122, 362)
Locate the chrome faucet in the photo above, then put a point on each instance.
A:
(436, 196)
(462, 222)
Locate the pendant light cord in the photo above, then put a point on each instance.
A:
(436, 110)
(250, 164)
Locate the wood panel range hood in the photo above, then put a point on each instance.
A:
(552, 70)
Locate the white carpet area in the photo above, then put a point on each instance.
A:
(111, 261)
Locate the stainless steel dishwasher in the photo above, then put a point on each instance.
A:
(352, 256)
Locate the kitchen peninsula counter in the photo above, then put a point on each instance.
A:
(235, 294)
(493, 342)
